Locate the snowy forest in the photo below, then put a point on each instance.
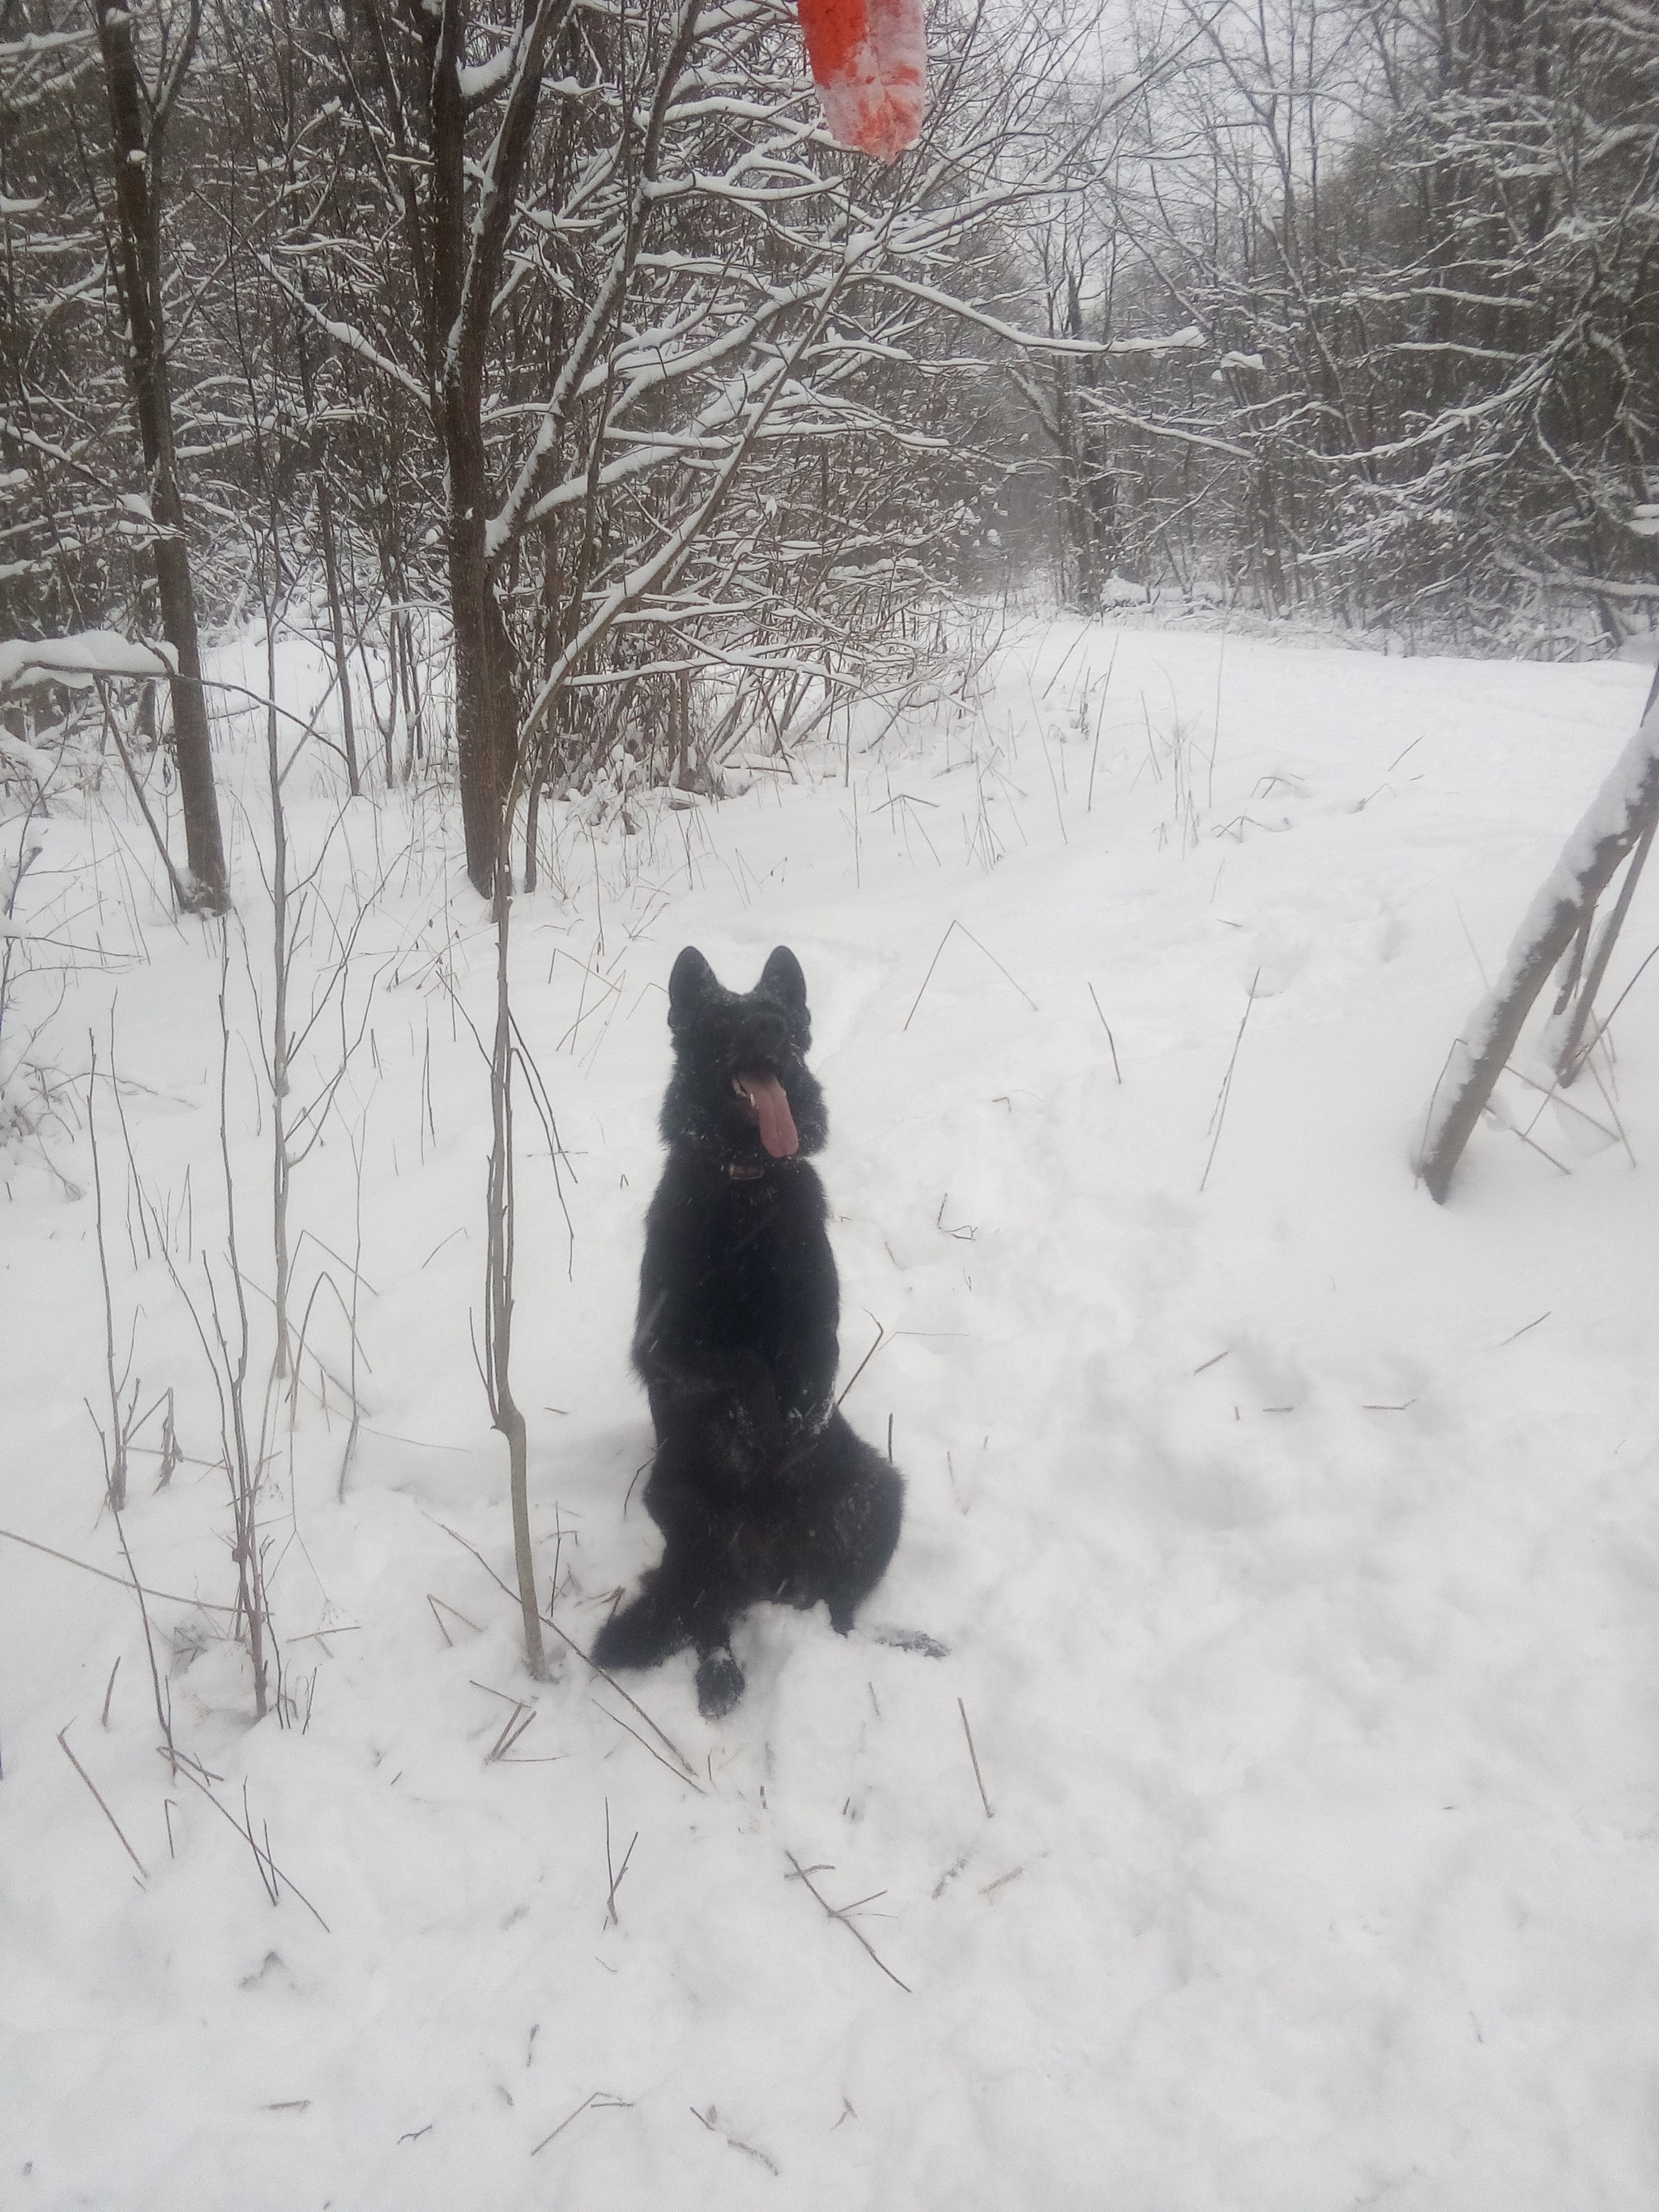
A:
(1145, 581)
(1342, 310)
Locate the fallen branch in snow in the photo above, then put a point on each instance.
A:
(839, 1912)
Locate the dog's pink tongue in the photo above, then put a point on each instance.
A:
(777, 1123)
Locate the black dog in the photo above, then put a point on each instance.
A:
(759, 1486)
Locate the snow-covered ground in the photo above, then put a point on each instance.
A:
(1294, 1540)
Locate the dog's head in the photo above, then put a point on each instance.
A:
(741, 1090)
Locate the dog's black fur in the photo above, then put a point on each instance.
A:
(759, 1486)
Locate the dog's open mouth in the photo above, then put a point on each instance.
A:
(763, 1095)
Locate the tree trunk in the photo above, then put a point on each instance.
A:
(147, 369)
(319, 445)
(465, 259)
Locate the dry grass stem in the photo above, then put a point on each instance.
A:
(687, 1769)
(513, 1729)
(97, 1795)
(269, 1873)
(614, 1873)
(1110, 1040)
(440, 1606)
(973, 1755)
(1220, 1112)
(167, 1597)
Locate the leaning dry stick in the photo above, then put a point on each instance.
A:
(1618, 819)
(1226, 1091)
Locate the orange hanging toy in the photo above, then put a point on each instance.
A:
(870, 63)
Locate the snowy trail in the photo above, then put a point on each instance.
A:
(1292, 1539)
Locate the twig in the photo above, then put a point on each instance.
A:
(102, 1808)
(1525, 1327)
(978, 947)
(163, 1703)
(1607, 1100)
(710, 2119)
(804, 1873)
(1220, 1113)
(881, 1332)
(1604, 1022)
(264, 1858)
(973, 1755)
(644, 1746)
(616, 1873)
(436, 1602)
(513, 1729)
(599, 2101)
(168, 1597)
(1107, 1026)
(691, 1772)
(1554, 1095)
(115, 1472)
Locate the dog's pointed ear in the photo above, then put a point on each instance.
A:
(781, 979)
(782, 982)
(689, 984)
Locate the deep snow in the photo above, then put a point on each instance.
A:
(1294, 1539)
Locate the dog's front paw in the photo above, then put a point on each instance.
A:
(719, 1684)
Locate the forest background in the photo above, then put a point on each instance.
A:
(564, 343)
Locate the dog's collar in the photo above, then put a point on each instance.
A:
(742, 1171)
